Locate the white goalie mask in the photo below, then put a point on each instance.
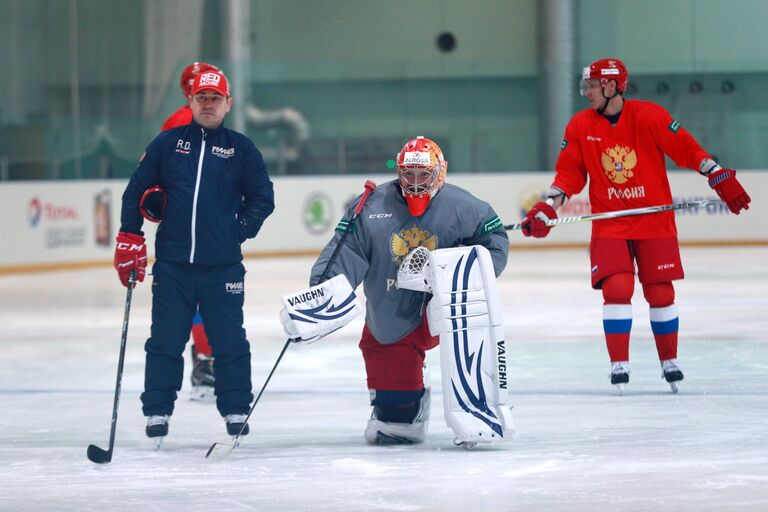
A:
(421, 172)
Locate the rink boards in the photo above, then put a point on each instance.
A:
(70, 224)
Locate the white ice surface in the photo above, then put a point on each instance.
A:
(578, 445)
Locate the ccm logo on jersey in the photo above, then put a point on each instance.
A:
(379, 215)
(233, 287)
(665, 266)
(223, 152)
(183, 147)
(125, 246)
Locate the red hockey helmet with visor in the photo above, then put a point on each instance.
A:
(421, 172)
(605, 70)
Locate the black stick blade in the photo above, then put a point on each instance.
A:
(99, 456)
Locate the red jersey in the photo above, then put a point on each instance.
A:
(625, 165)
(181, 117)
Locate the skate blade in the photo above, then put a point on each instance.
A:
(202, 394)
(390, 440)
(467, 445)
(157, 443)
(673, 385)
(620, 388)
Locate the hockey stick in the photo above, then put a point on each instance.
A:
(221, 450)
(96, 454)
(621, 213)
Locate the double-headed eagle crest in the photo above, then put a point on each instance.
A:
(618, 163)
(408, 239)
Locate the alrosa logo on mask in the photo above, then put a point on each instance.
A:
(416, 158)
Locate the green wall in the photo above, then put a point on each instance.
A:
(367, 75)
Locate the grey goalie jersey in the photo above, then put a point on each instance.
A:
(385, 232)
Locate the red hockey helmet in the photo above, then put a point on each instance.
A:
(189, 74)
(421, 172)
(605, 70)
(152, 204)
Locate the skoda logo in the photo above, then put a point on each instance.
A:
(318, 213)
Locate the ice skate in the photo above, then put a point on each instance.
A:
(390, 432)
(671, 373)
(157, 429)
(202, 378)
(620, 375)
(467, 445)
(236, 423)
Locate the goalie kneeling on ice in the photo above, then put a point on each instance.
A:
(465, 312)
(315, 312)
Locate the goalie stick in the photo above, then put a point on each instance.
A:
(96, 454)
(221, 450)
(621, 213)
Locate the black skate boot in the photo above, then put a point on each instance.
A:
(235, 424)
(671, 373)
(202, 377)
(620, 375)
(157, 429)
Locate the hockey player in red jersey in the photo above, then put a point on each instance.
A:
(202, 356)
(618, 146)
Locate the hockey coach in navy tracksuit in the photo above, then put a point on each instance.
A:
(209, 187)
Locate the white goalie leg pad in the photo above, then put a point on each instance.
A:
(465, 312)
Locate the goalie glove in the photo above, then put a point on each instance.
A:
(315, 312)
(414, 272)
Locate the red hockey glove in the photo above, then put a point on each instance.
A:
(130, 253)
(534, 223)
(729, 189)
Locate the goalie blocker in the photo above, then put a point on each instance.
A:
(315, 312)
(465, 312)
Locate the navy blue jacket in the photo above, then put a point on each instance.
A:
(218, 194)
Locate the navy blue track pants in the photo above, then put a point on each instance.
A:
(178, 289)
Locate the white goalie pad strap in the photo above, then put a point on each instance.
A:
(465, 312)
(310, 314)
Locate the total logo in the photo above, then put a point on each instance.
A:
(37, 211)
(34, 212)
